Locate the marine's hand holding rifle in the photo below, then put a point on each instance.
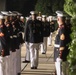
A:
(2, 53)
(60, 54)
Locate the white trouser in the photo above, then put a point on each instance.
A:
(13, 59)
(61, 67)
(27, 57)
(11, 63)
(44, 45)
(7, 65)
(34, 54)
(50, 39)
(18, 60)
(1, 66)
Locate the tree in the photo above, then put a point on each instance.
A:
(44, 6)
(58, 5)
(70, 8)
(49, 7)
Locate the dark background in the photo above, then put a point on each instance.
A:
(48, 7)
(2, 4)
(23, 6)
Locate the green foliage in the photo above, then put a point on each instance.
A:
(43, 6)
(70, 8)
(57, 5)
(49, 7)
(72, 47)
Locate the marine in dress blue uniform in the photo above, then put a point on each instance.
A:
(52, 29)
(27, 55)
(4, 50)
(46, 34)
(34, 35)
(61, 49)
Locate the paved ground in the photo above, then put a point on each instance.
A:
(46, 64)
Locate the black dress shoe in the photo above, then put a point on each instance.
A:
(26, 61)
(19, 74)
(35, 67)
(32, 67)
(43, 53)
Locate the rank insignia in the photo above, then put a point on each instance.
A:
(62, 37)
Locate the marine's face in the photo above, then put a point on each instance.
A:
(58, 19)
(18, 17)
(50, 19)
(11, 18)
(43, 19)
(39, 19)
(1, 21)
(33, 16)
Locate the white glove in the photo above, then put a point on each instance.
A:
(1, 59)
(59, 59)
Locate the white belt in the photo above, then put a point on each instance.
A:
(56, 45)
(14, 36)
(11, 37)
